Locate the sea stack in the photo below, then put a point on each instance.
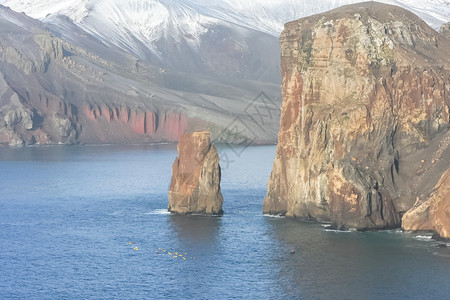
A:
(195, 185)
(365, 118)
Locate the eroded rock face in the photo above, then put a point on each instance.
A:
(434, 212)
(195, 185)
(445, 30)
(168, 125)
(364, 90)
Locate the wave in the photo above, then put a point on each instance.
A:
(160, 211)
(273, 216)
(327, 227)
(394, 231)
(337, 230)
(423, 237)
(440, 254)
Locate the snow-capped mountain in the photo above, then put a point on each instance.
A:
(148, 18)
(171, 33)
(210, 58)
(58, 90)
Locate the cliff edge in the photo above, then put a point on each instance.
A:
(365, 117)
(195, 185)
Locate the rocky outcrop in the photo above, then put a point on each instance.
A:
(365, 90)
(195, 185)
(434, 213)
(445, 30)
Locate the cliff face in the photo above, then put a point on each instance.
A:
(195, 185)
(365, 109)
(145, 123)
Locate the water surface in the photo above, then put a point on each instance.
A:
(72, 217)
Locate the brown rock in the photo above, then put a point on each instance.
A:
(434, 212)
(195, 185)
(357, 83)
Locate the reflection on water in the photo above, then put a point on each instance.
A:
(196, 232)
(64, 153)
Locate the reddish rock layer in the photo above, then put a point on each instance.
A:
(195, 185)
(359, 96)
(166, 125)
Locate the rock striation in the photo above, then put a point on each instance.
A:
(195, 185)
(365, 117)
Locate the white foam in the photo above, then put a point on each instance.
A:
(161, 211)
(273, 216)
(395, 231)
(336, 230)
(423, 237)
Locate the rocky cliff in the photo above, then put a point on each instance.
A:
(365, 116)
(195, 185)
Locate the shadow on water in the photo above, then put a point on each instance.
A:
(197, 238)
(198, 233)
(353, 265)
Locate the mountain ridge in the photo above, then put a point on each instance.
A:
(136, 24)
(55, 91)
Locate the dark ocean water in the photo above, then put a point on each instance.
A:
(72, 217)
